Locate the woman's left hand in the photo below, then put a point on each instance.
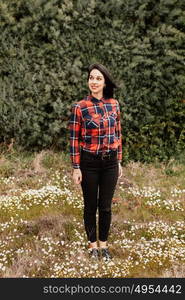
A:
(120, 171)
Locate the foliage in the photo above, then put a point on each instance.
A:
(46, 47)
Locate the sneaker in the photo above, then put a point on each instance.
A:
(94, 253)
(106, 254)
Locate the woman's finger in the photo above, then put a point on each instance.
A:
(120, 171)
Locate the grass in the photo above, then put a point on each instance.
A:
(41, 219)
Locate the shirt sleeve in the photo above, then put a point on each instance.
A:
(119, 134)
(75, 131)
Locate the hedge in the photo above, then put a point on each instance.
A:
(46, 47)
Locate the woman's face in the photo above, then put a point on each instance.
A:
(96, 82)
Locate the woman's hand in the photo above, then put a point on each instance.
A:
(120, 171)
(77, 176)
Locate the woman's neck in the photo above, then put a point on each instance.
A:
(97, 96)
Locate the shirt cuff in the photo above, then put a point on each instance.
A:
(76, 166)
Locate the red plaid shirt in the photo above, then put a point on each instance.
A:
(95, 126)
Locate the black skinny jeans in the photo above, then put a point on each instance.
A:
(99, 179)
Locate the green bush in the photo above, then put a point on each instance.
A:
(46, 46)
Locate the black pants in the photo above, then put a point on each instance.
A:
(99, 178)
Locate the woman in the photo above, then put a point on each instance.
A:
(96, 154)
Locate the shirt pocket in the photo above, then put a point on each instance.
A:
(112, 118)
(92, 121)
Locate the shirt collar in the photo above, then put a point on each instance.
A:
(95, 100)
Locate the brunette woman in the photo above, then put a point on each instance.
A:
(96, 155)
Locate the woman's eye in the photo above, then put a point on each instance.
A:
(98, 78)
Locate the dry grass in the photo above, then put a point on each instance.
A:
(41, 224)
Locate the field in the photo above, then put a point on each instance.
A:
(41, 220)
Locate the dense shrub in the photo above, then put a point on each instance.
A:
(46, 46)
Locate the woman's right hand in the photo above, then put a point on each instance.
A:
(77, 176)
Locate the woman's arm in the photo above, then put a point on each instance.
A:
(119, 134)
(75, 129)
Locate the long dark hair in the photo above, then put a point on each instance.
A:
(108, 91)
